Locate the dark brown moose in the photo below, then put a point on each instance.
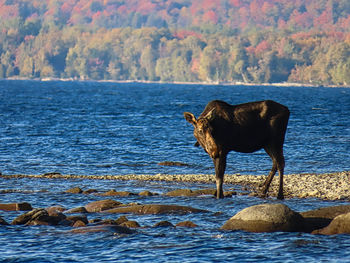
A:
(245, 128)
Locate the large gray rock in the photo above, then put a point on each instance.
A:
(265, 218)
(339, 225)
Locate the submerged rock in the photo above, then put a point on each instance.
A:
(117, 193)
(147, 193)
(170, 163)
(103, 228)
(130, 224)
(339, 225)
(163, 224)
(101, 205)
(186, 224)
(265, 218)
(155, 209)
(74, 190)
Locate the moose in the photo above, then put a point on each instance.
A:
(245, 128)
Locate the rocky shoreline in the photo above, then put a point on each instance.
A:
(258, 218)
(328, 186)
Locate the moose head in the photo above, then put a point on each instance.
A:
(204, 131)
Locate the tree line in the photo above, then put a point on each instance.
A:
(40, 45)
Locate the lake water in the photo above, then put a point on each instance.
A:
(94, 128)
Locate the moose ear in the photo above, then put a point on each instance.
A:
(190, 118)
(211, 114)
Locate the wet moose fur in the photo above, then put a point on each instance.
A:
(245, 128)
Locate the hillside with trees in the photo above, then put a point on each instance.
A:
(252, 41)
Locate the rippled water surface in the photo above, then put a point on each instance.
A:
(108, 128)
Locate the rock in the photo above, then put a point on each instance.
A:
(90, 191)
(101, 205)
(39, 217)
(75, 190)
(53, 210)
(130, 224)
(79, 223)
(3, 222)
(117, 193)
(74, 219)
(26, 217)
(76, 210)
(169, 163)
(339, 225)
(322, 217)
(121, 220)
(186, 224)
(103, 228)
(155, 209)
(189, 192)
(147, 193)
(265, 218)
(16, 207)
(193, 193)
(163, 224)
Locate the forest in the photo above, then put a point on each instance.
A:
(250, 41)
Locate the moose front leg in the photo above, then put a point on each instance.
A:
(220, 166)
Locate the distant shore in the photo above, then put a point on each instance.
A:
(328, 186)
(221, 83)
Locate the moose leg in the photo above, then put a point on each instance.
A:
(280, 167)
(220, 166)
(269, 178)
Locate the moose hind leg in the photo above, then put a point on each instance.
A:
(269, 178)
(280, 167)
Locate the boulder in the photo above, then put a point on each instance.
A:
(117, 193)
(130, 224)
(38, 217)
(163, 224)
(103, 228)
(339, 225)
(16, 207)
(101, 205)
(79, 223)
(322, 217)
(155, 209)
(26, 217)
(90, 191)
(76, 210)
(186, 224)
(265, 218)
(147, 193)
(74, 190)
(74, 219)
(54, 210)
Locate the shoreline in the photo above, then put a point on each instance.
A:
(218, 83)
(326, 186)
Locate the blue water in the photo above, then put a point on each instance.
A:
(97, 128)
(108, 128)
